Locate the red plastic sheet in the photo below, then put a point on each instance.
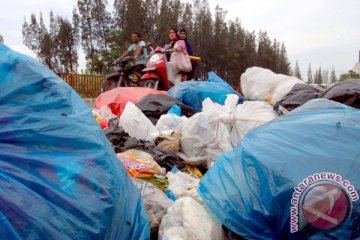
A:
(117, 98)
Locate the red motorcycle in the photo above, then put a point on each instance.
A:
(155, 74)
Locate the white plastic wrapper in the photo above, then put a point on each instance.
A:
(136, 124)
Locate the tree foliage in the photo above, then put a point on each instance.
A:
(224, 46)
(350, 75)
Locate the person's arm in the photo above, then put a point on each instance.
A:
(126, 53)
(180, 46)
(139, 51)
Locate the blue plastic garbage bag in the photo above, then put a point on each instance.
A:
(296, 177)
(193, 93)
(59, 177)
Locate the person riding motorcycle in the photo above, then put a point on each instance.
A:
(138, 51)
(178, 58)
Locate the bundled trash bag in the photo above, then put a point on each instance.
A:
(294, 178)
(220, 128)
(116, 99)
(59, 177)
(299, 95)
(188, 220)
(346, 92)
(260, 84)
(156, 105)
(193, 93)
(155, 202)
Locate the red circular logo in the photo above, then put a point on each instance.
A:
(325, 206)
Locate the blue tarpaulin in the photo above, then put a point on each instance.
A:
(296, 177)
(59, 177)
(193, 93)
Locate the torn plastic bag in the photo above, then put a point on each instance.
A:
(136, 124)
(140, 164)
(59, 177)
(193, 93)
(116, 99)
(156, 105)
(219, 128)
(156, 203)
(346, 92)
(263, 185)
(260, 84)
(299, 95)
(188, 220)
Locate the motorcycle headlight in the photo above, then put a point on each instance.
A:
(154, 58)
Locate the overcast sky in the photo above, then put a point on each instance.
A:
(323, 33)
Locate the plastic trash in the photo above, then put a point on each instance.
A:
(176, 109)
(154, 106)
(299, 95)
(136, 124)
(169, 143)
(106, 113)
(169, 122)
(59, 177)
(188, 220)
(260, 84)
(293, 178)
(155, 202)
(193, 93)
(346, 92)
(183, 185)
(140, 164)
(116, 99)
(219, 128)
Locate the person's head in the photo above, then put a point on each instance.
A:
(135, 37)
(173, 35)
(183, 34)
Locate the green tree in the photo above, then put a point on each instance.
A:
(284, 64)
(95, 26)
(297, 72)
(309, 74)
(333, 78)
(350, 75)
(37, 37)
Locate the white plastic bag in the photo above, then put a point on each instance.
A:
(183, 185)
(169, 122)
(156, 203)
(220, 128)
(260, 84)
(248, 116)
(188, 220)
(136, 124)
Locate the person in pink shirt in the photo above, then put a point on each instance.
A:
(177, 58)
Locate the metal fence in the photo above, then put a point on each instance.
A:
(87, 86)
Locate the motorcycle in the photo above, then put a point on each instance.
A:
(155, 74)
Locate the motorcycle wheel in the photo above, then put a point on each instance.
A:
(150, 83)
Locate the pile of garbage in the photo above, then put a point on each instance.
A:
(198, 162)
(173, 145)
